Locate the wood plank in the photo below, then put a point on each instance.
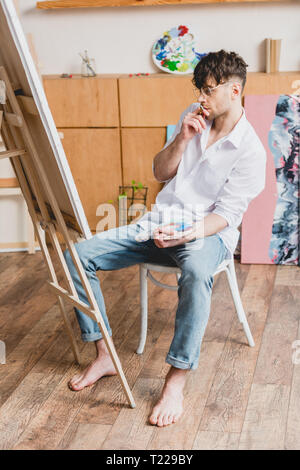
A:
(265, 419)
(19, 294)
(13, 119)
(28, 397)
(214, 440)
(85, 436)
(287, 276)
(274, 365)
(130, 429)
(9, 183)
(292, 437)
(12, 153)
(226, 404)
(28, 105)
(88, 102)
(56, 413)
(18, 325)
(28, 351)
(121, 3)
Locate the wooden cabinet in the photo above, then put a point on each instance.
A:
(259, 83)
(83, 102)
(86, 112)
(95, 160)
(154, 102)
(139, 146)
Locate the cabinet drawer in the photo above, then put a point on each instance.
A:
(83, 102)
(95, 161)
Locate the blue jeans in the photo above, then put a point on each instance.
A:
(198, 260)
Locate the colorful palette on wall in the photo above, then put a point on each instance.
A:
(270, 228)
(175, 51)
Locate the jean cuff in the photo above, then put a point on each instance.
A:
(89, 337)
(177, 363)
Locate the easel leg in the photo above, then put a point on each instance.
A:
(30, 234)
(69, 330)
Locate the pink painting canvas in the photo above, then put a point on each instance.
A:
(270, 225)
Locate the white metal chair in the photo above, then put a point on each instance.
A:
(227, 265)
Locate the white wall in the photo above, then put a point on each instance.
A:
(120, 39)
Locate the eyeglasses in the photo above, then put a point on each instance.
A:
(207, 90)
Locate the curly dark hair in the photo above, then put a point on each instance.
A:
(221, 65)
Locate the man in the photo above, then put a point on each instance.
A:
(213, 166)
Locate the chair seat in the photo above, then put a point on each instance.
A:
(171, 269)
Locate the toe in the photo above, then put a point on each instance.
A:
(160, 421)
(72, 386)
(153, 418)
(170, 419)
(75, 379)
(166, 420)
(176, 417)
(79, 385)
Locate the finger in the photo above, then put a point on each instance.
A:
(167, 231)
(199, 127)
(193, 125)
(201, 120)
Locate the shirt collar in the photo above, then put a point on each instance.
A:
(235, 136)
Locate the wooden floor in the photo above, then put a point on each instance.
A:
(238, 398)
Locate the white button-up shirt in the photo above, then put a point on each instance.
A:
(221, 179)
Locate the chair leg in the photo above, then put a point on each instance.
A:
(231, 276)
(144, 308)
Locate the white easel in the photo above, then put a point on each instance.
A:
(47, 216)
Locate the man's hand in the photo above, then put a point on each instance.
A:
(192, 124)
(209, 225)
(169, 230)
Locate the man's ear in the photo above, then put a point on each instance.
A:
(236, 89)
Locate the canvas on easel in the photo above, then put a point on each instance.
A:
(38, 159)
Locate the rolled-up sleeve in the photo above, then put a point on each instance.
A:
(245, 182)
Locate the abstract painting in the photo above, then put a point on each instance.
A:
(270, 227)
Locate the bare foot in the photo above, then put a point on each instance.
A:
(102, 366)
(170, 405)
